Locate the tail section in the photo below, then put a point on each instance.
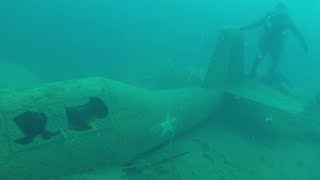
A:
(227, 63)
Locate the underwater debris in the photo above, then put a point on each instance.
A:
(165, 128)
(140, 165)
(31, 125)
(80, 117)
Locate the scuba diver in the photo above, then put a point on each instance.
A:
(276, 25)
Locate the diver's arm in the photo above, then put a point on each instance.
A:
(254, 25)
(300, 37)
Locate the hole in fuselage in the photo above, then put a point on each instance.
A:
(32, 124)
(80, 117)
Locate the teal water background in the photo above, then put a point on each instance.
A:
(130, 40)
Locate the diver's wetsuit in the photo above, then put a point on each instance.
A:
(276, 26)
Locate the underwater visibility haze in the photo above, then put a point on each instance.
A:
(165, 89)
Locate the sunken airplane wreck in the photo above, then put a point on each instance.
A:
(96, 120)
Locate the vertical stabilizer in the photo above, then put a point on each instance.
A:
(227, 63)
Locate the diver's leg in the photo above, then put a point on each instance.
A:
(263, 49)
(259, 57)
(275, 62)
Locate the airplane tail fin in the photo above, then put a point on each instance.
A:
(227, 62)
